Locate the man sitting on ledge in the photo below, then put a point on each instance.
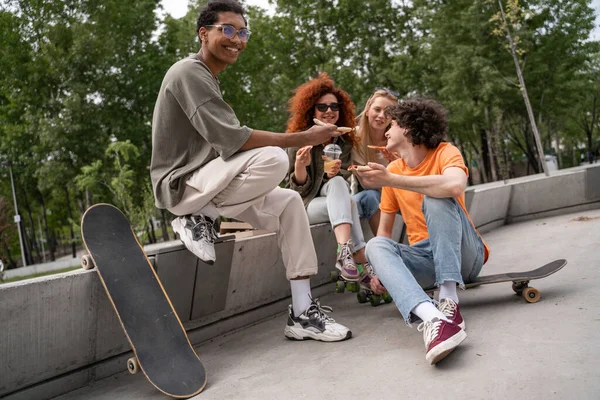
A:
(426, 184)
(205, 165)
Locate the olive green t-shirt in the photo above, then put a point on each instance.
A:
(191, 126)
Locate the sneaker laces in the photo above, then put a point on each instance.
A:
(446, 307)
(203, 227)
(368, 268)
(319, 311)
(430, 330)
(346, 253)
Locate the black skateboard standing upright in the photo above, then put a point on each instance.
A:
(162, 349)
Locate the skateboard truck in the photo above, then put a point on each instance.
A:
(521, 288)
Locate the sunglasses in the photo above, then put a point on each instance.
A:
(229, 31)
(322, 107)
(390, 91)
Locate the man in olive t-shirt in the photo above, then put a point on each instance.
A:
(206, 165)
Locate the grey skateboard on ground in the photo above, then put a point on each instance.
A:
(520, 284)
(162, 349)
(520, 280)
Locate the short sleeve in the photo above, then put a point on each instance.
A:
(216, 122)
(450, 157)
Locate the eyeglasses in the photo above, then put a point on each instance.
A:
(390, 91)
(229, 31)
(322, 107)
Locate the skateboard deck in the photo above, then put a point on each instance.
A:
(162, 349)
(520, 284)
(520, 280)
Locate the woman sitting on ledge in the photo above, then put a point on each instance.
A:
(323, 185)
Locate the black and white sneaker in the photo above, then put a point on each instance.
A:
(314, 323)
(197, 232)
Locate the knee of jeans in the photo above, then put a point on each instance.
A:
(371, 202)
(338, 182)
(434, 205)
(374, 246)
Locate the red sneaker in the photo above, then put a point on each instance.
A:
(441, 337)
(452, 311)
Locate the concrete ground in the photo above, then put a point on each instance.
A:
(546, 350)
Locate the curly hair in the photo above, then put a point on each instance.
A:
(425, 119)
(302, 105)
(209, 14)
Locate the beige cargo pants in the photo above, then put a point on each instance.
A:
(246, 187)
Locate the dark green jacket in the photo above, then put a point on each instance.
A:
(316, 177)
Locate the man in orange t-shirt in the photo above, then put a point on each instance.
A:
(427, 185)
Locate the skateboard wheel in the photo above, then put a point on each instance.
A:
(352, 287)
(334, 276)
(387, 298)
(362, 297)
(531, 295)
(518, 287)
(87, 262)
(375, 300)
(133, 366)
(340, 287)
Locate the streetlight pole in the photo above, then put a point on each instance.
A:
(17, 216)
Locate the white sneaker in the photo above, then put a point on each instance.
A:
(197, 232)
(314, 323)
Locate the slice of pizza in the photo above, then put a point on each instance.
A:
(359, 168)
(342, 129)
(378, 148)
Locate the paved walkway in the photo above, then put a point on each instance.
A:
(547, 350)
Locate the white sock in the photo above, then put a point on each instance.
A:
(300, 295)
(427, 311)
(448, 291)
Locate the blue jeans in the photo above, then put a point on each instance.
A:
(367, 202)
(453, 252)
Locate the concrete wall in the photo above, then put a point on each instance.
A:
(63, 329)
(565, 191)
(59, 333)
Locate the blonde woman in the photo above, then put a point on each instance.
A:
(372, 124)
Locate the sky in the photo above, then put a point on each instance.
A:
(178, 8)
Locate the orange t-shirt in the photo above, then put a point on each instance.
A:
(409, 203)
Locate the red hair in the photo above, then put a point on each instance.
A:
(302, 105)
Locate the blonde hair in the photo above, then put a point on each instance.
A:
(362, 154)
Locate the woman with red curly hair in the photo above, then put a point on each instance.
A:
(326, 193)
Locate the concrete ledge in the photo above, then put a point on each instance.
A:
(40, 268)
(488, 207)
(495, 204)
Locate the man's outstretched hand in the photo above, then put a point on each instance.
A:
(376, 177)
(321, 134)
